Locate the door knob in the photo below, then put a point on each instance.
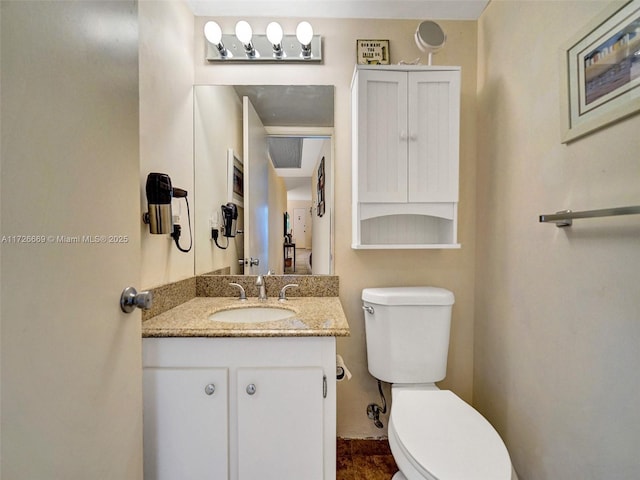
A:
(251, 389)
(210, 389)
(130, 299)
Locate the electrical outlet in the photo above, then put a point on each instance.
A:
(214, 220)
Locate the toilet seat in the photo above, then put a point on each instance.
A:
(444, 438)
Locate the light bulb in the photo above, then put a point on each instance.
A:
(274, 33)
(304, 33)
(213, 32)
(244, 32)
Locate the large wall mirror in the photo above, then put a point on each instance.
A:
(268, 150)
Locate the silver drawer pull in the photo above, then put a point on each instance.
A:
(210, 389)
(251, 389)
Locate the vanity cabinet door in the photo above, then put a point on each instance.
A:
(280, 423)
(185, 423)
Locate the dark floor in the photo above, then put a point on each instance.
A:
(364, 460)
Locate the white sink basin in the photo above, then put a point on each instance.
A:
(252, 315)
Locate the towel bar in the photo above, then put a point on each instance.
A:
(564, 218)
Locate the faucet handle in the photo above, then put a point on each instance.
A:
(283, 297)
(243, 295)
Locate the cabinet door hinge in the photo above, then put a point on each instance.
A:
(324, 386)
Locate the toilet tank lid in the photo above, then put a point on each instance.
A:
(408, 296)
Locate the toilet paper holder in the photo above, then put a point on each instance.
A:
(341, 369)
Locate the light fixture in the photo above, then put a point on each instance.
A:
(213, 34)
(304, 34)
(244, 33)
(274, 46)
(274, 35)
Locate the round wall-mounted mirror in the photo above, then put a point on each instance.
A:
(430, 37)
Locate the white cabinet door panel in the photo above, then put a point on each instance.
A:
(280, 425)
(434, 106)
(382, 144)
(185, 428)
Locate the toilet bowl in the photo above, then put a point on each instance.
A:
(433, 434)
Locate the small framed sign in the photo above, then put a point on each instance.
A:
(373, 52)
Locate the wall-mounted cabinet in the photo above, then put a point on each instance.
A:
(406, 123)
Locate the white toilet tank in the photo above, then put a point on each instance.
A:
(407, 330)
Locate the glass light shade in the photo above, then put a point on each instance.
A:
(274, 33)
(304, 33)
(213, 32)
(244, 32)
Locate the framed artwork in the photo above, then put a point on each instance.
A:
(372, 52)
(601, 72)
(321, 188)
(235, 179)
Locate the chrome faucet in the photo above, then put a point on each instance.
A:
(263, 289)
(283, 296)
(243, 295)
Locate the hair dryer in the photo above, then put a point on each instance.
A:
(159, 193)
(160, 216)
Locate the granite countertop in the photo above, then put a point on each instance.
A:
(313, 316)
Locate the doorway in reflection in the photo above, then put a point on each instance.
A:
(300, 162)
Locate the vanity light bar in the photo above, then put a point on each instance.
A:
(229, 48)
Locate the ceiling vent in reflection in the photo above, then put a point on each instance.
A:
(285, 152)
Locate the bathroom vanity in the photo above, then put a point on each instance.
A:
(241, 400)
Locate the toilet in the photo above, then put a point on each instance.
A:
(433, 434)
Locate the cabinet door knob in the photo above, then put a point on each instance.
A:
(251, 389)
(403, 135)
(210, 389)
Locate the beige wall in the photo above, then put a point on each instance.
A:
(322, 235)
(360, 269)
(166, 128)
(213, 139)
(557, 330)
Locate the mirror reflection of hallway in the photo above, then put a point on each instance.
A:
(296, 120)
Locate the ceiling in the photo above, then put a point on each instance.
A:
(396, 9)
(291, 105)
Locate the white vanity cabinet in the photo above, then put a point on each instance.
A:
(239, 408)
(405, 156)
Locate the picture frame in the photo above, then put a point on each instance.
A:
(372, 52)
(235, 178)
(321, 204)
(600, 69)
